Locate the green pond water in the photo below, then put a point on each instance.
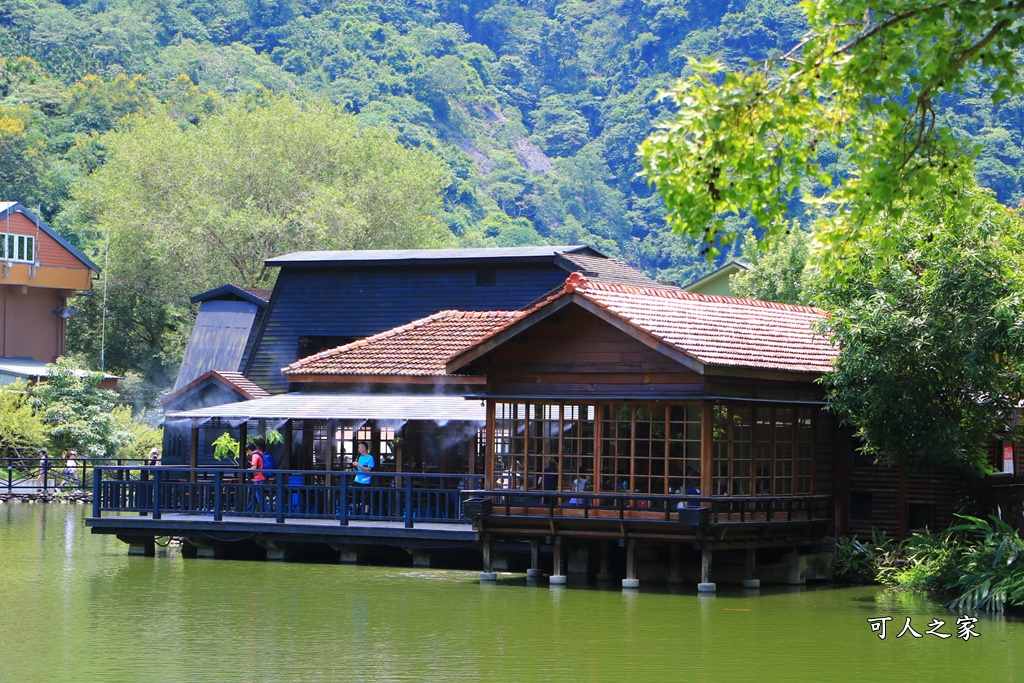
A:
(75, 607)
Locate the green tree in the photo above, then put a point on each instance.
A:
(77, 412)
(931, 359)
(22, 430)
(189, 208)
(135, 438)
(777, 270)
(867, 78)
(22, 151)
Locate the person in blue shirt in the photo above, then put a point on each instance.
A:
(364, 464)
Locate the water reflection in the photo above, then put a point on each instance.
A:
(74, 602)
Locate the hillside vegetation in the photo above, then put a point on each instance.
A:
(523, 116)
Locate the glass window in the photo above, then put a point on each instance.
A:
(532, 438)
(18, 248)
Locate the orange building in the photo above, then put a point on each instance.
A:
(39, 272)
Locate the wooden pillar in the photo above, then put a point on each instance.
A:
(488, 573)
(705, 585)
(707, 437)
(631, 581)
(193, 454)
(534, 571)
(749, 581)
(288, 433)
(307, 444)
(557, 575)
(675, 564)
(332, 428)
(489, 448)
(603, 574)
(243, 437)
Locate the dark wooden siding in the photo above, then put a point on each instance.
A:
(358, 302)
(824, 453)
(575, 353)
(892, 494)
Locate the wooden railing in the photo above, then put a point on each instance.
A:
(288, 494)
(668, 508)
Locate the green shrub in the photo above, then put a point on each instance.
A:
(990, 574)
(854, 562)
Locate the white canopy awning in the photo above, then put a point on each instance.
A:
(324, 406)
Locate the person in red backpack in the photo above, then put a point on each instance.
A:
(259, 480)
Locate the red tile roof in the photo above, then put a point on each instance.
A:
(714, 330)
(420, 348)
(720, 330)
(243, 383)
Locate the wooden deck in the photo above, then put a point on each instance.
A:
(420, 515)
(300, 530)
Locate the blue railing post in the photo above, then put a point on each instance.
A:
(156, 494)
(343, 505)
(408, 502)
(10, 473)
(218, 495)
(280, 497)
(96, 507)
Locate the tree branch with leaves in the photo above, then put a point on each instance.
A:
(866, 79)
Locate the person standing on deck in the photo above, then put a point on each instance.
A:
(71, 468)
(259, 480)
(44, 467)
(363, 464)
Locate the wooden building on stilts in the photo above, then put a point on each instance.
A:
(612, 428)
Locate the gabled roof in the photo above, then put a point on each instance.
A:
(260, 297)
(379, 257)
(418, 349)
(7, 208)
(717, 279)
(241, 384)
(699, 331)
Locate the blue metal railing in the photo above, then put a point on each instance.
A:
(25, 476)
(408, 497)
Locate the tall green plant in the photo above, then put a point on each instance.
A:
(991, 574)
(226, 446)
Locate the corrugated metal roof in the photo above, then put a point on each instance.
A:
(377, 256)
(27, 367)
(309, 406)
(218, 339)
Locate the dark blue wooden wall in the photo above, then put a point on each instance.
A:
(361, 301)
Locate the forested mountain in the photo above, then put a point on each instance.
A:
(532, 108)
